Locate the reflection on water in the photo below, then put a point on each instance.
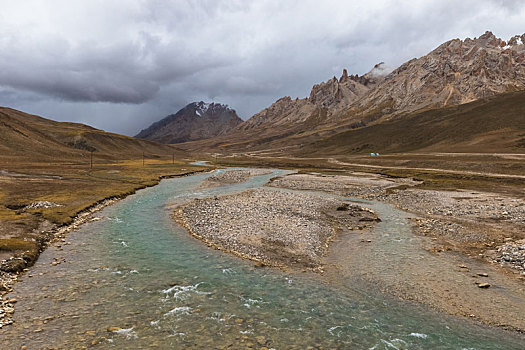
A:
(135, 280)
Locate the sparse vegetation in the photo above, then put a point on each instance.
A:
(47, 161)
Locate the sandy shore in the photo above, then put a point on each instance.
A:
(278, 228)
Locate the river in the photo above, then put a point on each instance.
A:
(135, 269)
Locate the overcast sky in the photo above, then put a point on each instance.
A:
(120, 65)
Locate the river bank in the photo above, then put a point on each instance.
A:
(463, 258)
(18, 261)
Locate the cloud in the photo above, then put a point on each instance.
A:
(120, 65)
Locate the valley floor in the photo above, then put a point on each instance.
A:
(463, 249)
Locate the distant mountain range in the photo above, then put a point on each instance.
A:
(196, 121)
(464, 96)
(455, 73)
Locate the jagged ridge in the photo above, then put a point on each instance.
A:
(457, 72)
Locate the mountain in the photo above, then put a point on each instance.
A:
(328, 98)
(26, 137)
(488, 125)
(455, 73)
(196, 121)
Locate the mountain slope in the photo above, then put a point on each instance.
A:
(495, 124)
(30, 137)
(326, 99)
(457, 72)
(198, 120)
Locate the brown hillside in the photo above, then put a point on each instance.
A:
(495, 124)
(29, 137)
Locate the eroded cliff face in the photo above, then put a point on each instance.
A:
(196, 121)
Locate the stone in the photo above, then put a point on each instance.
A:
(261, 340)
(483, 274)
(114, 329)
(484, 285)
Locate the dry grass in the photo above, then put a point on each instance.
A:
(74, 187)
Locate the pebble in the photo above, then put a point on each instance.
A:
(260, 340)
(511, 254)
(483, 285)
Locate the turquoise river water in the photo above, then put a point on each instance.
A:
(137, 270)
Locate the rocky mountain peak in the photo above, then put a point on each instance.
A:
(344, 77)
(200, 108)
(337, 94)
(517, 41)
(489, 39)
(197, 120)
(456, 72)
(380, 70)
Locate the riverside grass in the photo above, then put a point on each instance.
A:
(75, 188)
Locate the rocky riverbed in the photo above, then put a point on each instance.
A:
(232, 177)
(367, 186)
(480, 224)
(278, 228)
(512, 254)
(464, 248)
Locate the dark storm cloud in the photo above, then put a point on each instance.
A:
(131, 72)
(120, 65)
